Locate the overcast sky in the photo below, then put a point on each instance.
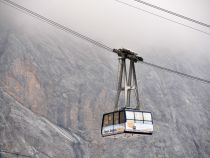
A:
(118, 25)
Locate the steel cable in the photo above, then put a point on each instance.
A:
(162, 17)
(173, 13)
(53, 23)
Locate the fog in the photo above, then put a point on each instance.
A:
(118, 25)
(46, 73)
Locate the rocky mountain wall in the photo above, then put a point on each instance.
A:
(61, 85)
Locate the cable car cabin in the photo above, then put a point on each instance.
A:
(127, 120)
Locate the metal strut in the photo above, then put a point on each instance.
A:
(127, 82)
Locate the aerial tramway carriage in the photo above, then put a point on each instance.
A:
(127, 119)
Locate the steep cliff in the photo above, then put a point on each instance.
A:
(21, 131)
(61, 85)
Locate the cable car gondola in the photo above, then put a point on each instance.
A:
(127, 120)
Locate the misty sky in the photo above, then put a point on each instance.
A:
(117, 25)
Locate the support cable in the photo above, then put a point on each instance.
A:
(53, 23)
(173, 13)
(101, 45)
(162, 17)
(176, 72)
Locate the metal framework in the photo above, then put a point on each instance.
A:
(127, 82)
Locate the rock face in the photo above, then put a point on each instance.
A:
(23, 132)
(55, 88)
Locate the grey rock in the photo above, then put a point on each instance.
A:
(62, 83)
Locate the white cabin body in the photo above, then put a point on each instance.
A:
(127, 120)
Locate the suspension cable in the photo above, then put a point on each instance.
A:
(162, 17)
(177, 72)
(101, 45)
(173, 13)
(53, 23)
